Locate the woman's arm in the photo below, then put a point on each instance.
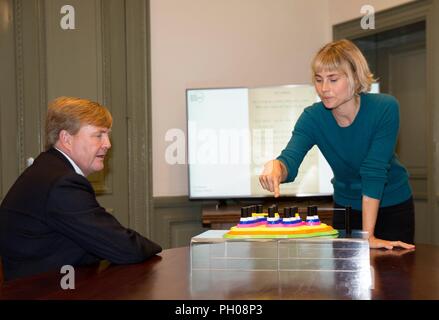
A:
(285, 167)
(370, 213)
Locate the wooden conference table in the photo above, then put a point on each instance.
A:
(397, 275)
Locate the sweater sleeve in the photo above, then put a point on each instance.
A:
(375, 167)
(300, 143)
(73, 211)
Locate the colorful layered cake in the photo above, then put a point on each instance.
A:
(256, 224)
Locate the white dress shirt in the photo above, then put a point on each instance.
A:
(77, 169)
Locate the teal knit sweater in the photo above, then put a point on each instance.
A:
(362, 155)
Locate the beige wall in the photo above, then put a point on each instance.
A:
(221, 43)
(345, 10)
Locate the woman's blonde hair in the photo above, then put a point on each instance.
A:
(344, 56)
(70, 114)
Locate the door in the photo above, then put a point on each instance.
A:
(407, 81)
(88, 63)
(397, 57)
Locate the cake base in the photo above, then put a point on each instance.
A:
(269, 232)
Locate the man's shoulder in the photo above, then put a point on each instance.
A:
(70, 190)
(32, 187)
(52, 161)
(72, 179)
(49, 167)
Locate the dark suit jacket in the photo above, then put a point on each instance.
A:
(50, 218)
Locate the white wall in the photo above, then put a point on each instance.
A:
(220, 43)
(223, 43)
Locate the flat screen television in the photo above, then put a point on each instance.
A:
(233, 132)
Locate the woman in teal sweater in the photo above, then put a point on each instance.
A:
(357, 133)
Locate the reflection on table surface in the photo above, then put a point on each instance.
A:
(291, 268)
(397, 274)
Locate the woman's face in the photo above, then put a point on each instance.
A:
(333, 88)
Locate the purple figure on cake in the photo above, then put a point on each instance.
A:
(248, 219)
(312, 219)
(292, 217)
(273, 220)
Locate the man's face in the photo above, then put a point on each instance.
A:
(89, 147)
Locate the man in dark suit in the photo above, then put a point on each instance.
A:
(50, 216)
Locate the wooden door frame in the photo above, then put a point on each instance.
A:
(428, 11)
(137, 102)
(138, 68)
(23, 86)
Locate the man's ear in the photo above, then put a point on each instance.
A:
(65, 139)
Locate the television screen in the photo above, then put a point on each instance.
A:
(233, 132)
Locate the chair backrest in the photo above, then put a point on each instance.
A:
(1, 271)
